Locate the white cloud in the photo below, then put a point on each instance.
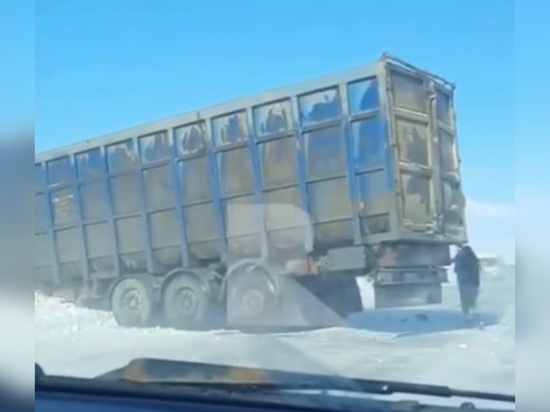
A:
(484, 209)
(491, 227)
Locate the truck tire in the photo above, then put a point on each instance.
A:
(187, 303)
(132, 303)
(252, 298)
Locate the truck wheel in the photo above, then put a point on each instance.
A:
(132, 303)
(187, 303)
(252, 298)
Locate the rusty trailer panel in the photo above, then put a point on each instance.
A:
(356, 158)
(423, 124)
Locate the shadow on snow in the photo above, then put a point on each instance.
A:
(411, 322)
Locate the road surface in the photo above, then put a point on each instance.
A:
(428, 345)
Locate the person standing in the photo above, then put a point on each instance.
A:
(467, 269)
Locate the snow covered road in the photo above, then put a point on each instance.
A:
(422, 345)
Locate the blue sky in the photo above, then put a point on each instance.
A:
(17, 68)
(105, 65)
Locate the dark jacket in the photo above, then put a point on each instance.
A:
(467, 267)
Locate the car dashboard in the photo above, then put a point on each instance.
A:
(65, 401)
(149, 385)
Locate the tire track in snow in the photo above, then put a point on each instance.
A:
(85, 343)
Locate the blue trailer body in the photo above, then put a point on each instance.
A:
(369, 155)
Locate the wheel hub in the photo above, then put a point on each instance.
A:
(253, 302)
(132, 302)
(187, 300)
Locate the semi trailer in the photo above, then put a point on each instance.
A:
(261, 208)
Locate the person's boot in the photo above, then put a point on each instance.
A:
(467, 316)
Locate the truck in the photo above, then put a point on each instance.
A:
(261, 210)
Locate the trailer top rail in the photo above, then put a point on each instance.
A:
(258, 99)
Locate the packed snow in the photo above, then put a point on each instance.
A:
(428, 345)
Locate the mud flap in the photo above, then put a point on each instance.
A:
(407, 295)
(327, 301)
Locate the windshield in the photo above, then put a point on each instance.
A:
(259, 184)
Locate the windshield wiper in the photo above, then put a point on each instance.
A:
(363, 386)
(240, 379)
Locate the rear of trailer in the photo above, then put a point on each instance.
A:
(288, 195)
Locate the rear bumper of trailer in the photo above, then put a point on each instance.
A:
(409, 287)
